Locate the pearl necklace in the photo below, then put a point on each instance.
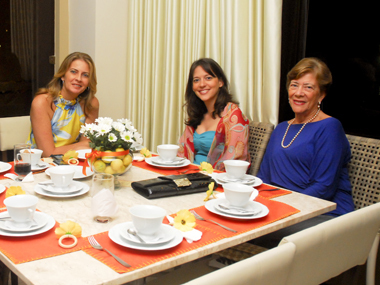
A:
(287, 129)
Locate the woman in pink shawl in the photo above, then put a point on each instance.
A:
(216, 129)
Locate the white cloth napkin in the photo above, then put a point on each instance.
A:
(190, 236)
(104, 203)
(28, 178)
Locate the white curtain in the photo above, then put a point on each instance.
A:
(166, 36)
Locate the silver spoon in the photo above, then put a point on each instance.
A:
(134, 233)
(240, 210)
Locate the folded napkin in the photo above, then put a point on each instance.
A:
(104, 203)
(190, 236)
(28, 178)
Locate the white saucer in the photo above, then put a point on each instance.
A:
(137, 146)
(148, 160)
(212, 204)
(73, 187)
(159, 161)
(82, 153)
(248, 180)
(43, 166)
(165, 234)
(4, 166)
(40, 220)
(250, 208)
(2, 188)
(115, 236)
(78, 171)
(39, 190)
(49, 225)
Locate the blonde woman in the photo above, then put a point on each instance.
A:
(68, 101)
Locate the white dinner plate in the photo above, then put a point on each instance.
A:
(249, 208)
(38, 189)
(177, 161)
(211, 206)
(78, 171)
(4, 166)
(148, 160)
(82, 153)
(248, 180)
(42, 165)
(49, 225)
(115, 236)
(74, 186)
(165, 234)
(40, 220)
(2, 188)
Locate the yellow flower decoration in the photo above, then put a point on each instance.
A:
(210, 192)
(145, 152)
(14, 190)
(207, 167)
(68, 228)
(184, 221)
(69, 155)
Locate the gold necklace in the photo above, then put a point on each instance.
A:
(287, 129)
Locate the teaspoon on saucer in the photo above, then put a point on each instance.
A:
(240, 210)
(134, 233)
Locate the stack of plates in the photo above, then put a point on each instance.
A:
(74, 189)
(247, 179)
(158, 162)
(253, 210)
(41, 223)
(167, 237)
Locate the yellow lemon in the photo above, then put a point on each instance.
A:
(117, 166)
(107, 159)
(109, 170)
(119, 149)
(99, 166)
(127, 160)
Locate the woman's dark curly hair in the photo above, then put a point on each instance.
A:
(195, 107)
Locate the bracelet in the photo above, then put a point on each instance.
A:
(69, 245)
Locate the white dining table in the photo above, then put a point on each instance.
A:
(80, 268)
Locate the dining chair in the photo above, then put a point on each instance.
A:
(269, 267)
(13, 130)
(259, 134)
(330, 248)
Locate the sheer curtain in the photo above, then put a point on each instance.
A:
(166, 36)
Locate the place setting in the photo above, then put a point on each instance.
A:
(21, 218)
(78, 171)
(167, 157)
(237, 202)
(61, 184)
(146, 231)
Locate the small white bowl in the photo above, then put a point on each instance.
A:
(239, 195)
(167, 152)
(236, 168)
(147, 219)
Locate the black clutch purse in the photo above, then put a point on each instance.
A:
(173, 185)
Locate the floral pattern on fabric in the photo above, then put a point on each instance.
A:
(230, 141)
(66, 122)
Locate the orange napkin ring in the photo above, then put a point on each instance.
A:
(67, 245)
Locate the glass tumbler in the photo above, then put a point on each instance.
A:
(22, 162)
(103, 203)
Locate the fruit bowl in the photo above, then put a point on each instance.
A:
(116, 164)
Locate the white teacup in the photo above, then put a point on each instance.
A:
(167, 152)
(62, 176)
(238, 195)
(147, 219)
(21, 208)
(34, 158)
(236, 169)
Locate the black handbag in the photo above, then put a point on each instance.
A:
(173, 185)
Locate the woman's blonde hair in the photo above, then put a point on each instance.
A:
(55, 85)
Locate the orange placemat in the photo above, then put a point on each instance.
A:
(211, 233)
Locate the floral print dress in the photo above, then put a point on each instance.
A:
(66, 122)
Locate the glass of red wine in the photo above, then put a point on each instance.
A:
(22, 156)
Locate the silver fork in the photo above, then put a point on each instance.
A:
(96, 245)
(208, 220)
